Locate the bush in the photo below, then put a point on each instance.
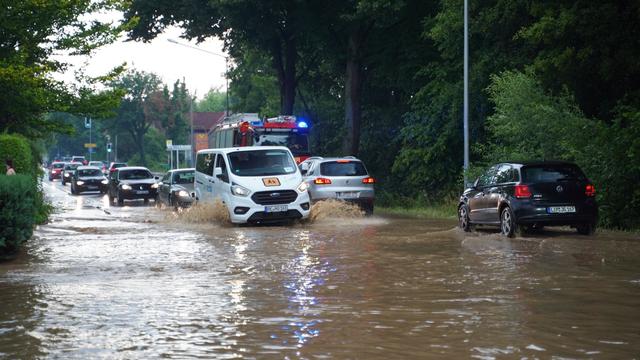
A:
(17, 149)
(17, 211)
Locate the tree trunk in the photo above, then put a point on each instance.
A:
(284, 61)
(353, 87)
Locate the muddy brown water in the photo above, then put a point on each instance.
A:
(138, 282)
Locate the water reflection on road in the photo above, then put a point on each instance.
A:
(132, 282)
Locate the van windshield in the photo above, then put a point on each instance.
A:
(261, 163)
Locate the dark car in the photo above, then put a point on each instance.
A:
(67, 172)
(88, 178)
(132, 182)
(176, 188)
(115, 165)
(55, 170)
(520, 196)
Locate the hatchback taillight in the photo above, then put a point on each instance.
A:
(322, 181)
(369, 180)
(590, 190)
(522, 191)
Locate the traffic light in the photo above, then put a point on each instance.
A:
(87, 123)
(108, 147)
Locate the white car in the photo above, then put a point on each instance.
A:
(257, 184)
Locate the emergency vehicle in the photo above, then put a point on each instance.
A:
(247, 129)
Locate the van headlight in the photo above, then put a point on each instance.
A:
(303, 187)
(240, 190)
(105, 181)
(126, 187)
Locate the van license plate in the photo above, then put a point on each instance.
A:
(276, 208)
(561, 209)
(347, 195)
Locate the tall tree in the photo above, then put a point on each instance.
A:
(138, 110)
(31, 31)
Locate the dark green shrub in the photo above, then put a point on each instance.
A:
(17, 211)
(17, 149)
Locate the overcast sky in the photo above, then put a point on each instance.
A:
(200, 70)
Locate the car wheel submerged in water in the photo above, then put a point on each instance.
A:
(463, 218)
(508, 225)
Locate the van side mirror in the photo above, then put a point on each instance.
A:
(304, 168)
(217, 172)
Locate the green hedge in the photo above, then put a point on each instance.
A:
(18, 211)
(17, 149)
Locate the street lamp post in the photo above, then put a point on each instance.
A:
(466, 93)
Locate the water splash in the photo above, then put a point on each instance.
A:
(334, 209)
(201, 213)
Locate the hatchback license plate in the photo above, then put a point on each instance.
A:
(561, 209)
(140, 192)
(347, 195)
(276, 208)
(92, 187)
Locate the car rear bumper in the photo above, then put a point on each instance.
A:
(538, 214)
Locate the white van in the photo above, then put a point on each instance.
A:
(257, 183)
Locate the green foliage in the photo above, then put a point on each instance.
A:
(33, 31)
(214, 101)
(17, 148)
(530, 124)
(17, 211)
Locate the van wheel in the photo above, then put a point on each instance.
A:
(586, 228)
(463, 218)
(508, 226)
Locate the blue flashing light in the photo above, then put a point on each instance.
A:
(257, 123)
(303, 125)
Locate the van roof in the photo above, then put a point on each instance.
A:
(243, 148)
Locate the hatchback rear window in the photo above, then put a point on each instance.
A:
(552, 173)
(58, 165)
(342, 168)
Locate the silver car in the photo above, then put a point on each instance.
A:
(176, 188)
(344, 178)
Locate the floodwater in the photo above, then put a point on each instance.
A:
(139, 282)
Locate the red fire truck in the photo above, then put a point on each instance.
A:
(249, 130)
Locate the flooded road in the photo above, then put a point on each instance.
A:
(138, 282)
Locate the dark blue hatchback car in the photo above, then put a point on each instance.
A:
(519, 196)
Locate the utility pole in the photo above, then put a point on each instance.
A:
(466, 92)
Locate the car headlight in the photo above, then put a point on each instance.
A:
(154, 186)
(79, 182)
(303, 187)
(66, 174)
(240, 190)
(183, 193)
(126, 187)
(105, 181)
